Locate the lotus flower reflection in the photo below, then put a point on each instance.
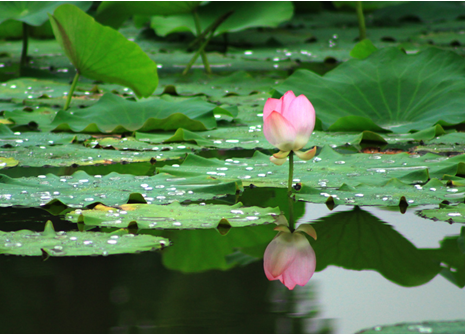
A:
(288, 124)
(289, 257)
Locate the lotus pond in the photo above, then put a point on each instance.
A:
(136, 181)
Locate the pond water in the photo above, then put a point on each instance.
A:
(139, 294)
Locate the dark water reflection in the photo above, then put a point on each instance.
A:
(147, 293)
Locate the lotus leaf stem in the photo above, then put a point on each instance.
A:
(361, 20)
(199, 32)
(196, 55)
(71, 91)
(23, 61)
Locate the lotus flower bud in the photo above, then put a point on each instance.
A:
(288, 124)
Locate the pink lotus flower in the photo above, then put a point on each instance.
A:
(288, 125)
(289, 257)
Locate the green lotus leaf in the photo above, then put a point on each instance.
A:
(427, 11)
(392, 193)
(433, 327)
(363, 49)
(130, 143)
(114, 189)
(252, 137)
(244, 16)
(31, 88)
(41, 118)
(239, 83)
(60, 244)
(114, 13)
(9, 139)
(101, 53)
(451, 138)
(449, 213)
(113, 114)
(402, 95)
(7, 162)
(76, 154)
(329, 169)
(175, 216)
(34, 13)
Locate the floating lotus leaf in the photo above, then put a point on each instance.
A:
(131, 143)
(432, 327)
(328, 169)
(402, 95)
(239, 82)
(427, 11)
(175, 216)
(30, 88)
(40, 117)
(449, 213)
(392, 193)
(452, 138)
(7, 162)
(74, 243)
(112, 114)
(76, 154)
(251, 137)
(10, 139)
(114, 189)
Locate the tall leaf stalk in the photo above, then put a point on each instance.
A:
(210, 31)
(23, 61)
(198, 28)
(361, 20)
(71, 91)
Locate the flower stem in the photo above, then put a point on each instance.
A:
(361, 20)
(71, 91)
(289, 191)
(23, 61)
(291, 173)
(198, 28)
